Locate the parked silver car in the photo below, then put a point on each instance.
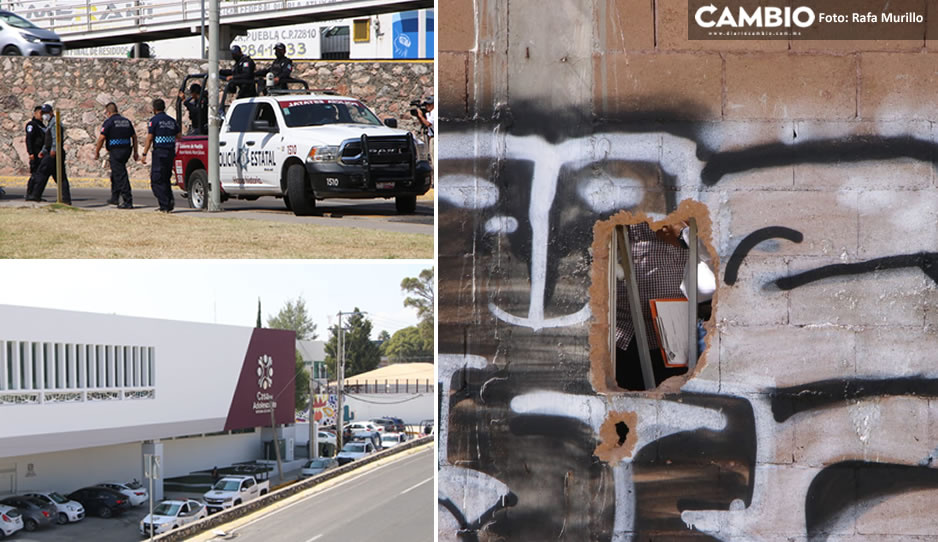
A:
(21, 37)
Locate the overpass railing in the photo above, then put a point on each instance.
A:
(77, 17)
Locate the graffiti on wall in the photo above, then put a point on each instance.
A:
(521, 425)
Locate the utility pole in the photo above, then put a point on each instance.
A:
(340, 386)
(313, 424)
(214, 199)
(276, 442)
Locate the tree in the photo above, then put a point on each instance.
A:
(293, 316)
(259, 324)
(383, 339)
(361, 353)
(421, 288)
(408, 346)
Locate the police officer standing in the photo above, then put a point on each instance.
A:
(118, 134)
(47, 164)
(281, 67)
(35, 134)
(162, 131)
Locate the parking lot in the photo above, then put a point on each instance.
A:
(122, 528)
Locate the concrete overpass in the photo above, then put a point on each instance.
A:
(86, 23)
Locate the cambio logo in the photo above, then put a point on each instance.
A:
(760, 17)
(265, 372)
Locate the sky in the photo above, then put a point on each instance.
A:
(219, 291)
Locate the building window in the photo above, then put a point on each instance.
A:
(362, 30)
(40, 372)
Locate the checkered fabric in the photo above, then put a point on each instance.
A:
(659, 270)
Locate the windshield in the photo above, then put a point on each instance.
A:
(57, 498)
(299, 113)
(166, 509)
(227, 485)
(353, 447)
(16, 21)
(389, 438)
(318, 464)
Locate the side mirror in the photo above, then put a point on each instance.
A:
(260, 125)
(390, 122)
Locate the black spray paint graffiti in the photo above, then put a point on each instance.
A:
(517, 209)
(786, 402)
(750, 241)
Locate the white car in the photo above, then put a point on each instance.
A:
(316, 466)
(135, 492)
(354, 450)
(363, 426)
(327, 437)
(389, 440)
(169, 515)
(10, 520)
(68, 511)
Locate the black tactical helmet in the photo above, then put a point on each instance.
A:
(280, 49)
(235, 52)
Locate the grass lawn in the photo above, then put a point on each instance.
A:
(57, 231)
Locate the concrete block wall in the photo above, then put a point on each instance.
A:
(80, 88)
(812, 414)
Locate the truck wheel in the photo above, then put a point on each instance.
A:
(405, 204)
(302, 202)
(286, 201)
(198, 189)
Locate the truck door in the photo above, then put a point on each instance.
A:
(265, 146)
(232, 150)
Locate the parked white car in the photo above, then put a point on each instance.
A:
(363, 426)
(389, 440)
(169, 515)
(327, 437)
(68, 511)
(135, 492)
(316, 466)
(10, 520)
(354, 450)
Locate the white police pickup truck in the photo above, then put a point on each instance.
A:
(306, 147)
(234, 490)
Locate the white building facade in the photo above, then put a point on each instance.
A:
(83, 397)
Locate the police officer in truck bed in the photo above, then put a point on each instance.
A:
(241, 77)
(281, 67)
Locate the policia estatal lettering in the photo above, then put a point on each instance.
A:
(118, 134)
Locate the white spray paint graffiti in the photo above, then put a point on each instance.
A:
(549, 159)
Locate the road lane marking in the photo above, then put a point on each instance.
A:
(415, 486)
(317, 537)
(355, 476)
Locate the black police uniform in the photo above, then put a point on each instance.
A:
(118, 137)
(35, 134)
(198, 114)
(164, 129)
(242, 77)
(282, 68)
(47, 168)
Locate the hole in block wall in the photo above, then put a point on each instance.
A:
(637, 258)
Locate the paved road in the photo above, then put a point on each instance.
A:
(378, 214)
(392, 502)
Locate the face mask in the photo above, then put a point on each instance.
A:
(46, 117)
